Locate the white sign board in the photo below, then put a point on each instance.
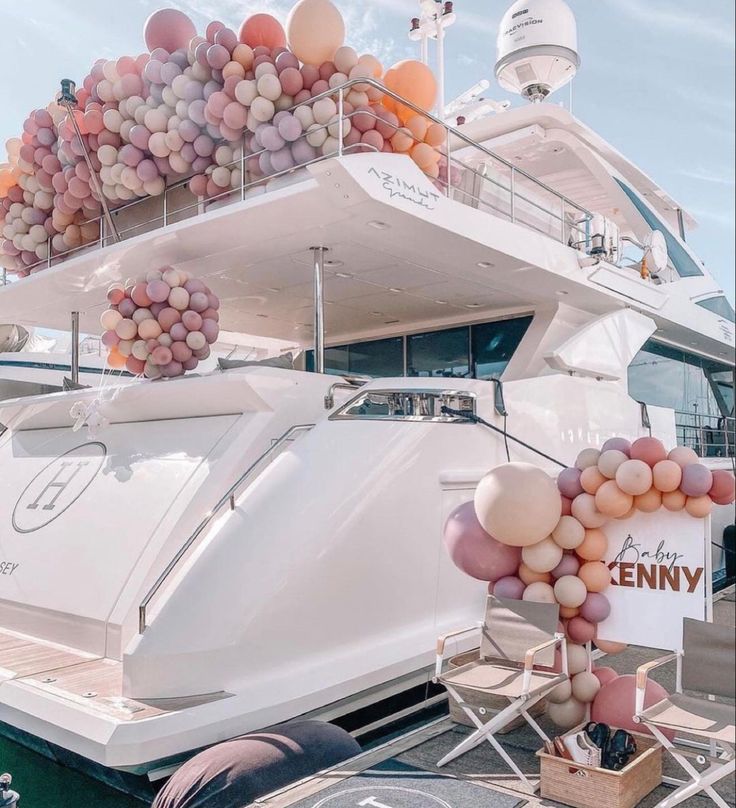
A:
(659, 575)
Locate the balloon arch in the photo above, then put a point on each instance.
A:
(536, 539)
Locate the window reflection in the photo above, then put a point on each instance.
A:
(439, 354)
(494, 345)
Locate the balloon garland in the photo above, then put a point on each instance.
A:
(159, 326)
(537, 539)
(202, 107)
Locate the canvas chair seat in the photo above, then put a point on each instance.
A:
(692, 715)
(500, 679)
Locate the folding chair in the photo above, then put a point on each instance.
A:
(706, 667)
(514, 635)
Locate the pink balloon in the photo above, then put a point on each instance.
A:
(620, 444)
(616, 701)
(172, 369)
(178, 332)
(596, 607)
(181, 351)
(134, 365)
(110, 339)
(569, 565)
(211, 331)
(217, 56)
(139, 136)
(158, 291)
(650, 450)
(605, 675)
(508, 587)
(191, 320)
(168, 28)
(476, 552)
(127, 307)
(697, 480)
(568, 481)
(235, 115)
(579, 630)
(140, 296)
(723, 489)
(161, 355)
(168, 317)
(198, 302)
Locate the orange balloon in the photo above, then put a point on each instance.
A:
(424, 155)
(611, 647)
(595, 575)
(610, 499)
(262, 29)
(529, 576)
(115, 359)
(674, 500)
(436, 135)
(413, 81)
(594, 545)
(402, 141)
(566, 612)
(649, 502)
(699, 507)
(418, 126)
(591, 479)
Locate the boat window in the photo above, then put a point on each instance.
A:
(720, 306)
(494, 344)
(439, 354)
(10, 388)
(684, 264)
(336, 360)
(380, 357)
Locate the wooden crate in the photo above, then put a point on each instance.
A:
(492, 704)
(590, 787)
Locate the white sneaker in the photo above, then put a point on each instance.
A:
(582, 750)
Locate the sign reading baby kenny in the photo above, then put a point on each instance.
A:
(659, 576)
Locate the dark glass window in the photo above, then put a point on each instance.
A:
(720, 306)
(494, 345)
(442, 354)
(336, 360)
(381, 357)
(679, 257)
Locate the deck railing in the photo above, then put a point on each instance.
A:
(474, 175)
(708, 435)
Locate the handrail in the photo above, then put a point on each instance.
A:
(227, 497)
(345, 384)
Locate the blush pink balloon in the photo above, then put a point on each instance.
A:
(127, 307)
(181, 351)
(172, 369)
(580, 630)
(161, 355)
(211, 330)
(168, 28)
(167, 318)
(476, 552)
(595, 608)
(650, 450)
(178, 332)
(615, 703)
(697, 480)
(605, 675)
(198, 302)
(110, 339)
(723, 489)
(158, 291)
(140, 296)
(191, 320)
(569, 565)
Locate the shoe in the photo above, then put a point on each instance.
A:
(599, 734)
(621, 748)
(582, 750)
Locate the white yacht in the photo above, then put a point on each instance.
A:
(238, 547)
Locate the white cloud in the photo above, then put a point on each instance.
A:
(720, 216)
(669, 15)
(709, 176)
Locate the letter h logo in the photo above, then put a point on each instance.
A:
(57, 484)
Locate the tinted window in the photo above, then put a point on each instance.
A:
(680, 259)
(381, 357)
(442, 354)
(336, 360)
(719, 306)
(494, 345)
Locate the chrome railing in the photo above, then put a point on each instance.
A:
(229, 498)
(708, 435)
(484, 181)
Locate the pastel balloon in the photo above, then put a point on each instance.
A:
(543, 556)
(594, 545)
(579, 630)
(595, 575)
(539, 592)
(149, 329)
(674, 500)
(568, 481)
(413, 81)
(666, 476)
(178, 332)
(648, 502)
(158, 291)
(570, 591)
(697, 480)
(595, 608)
(617, 444)
(616, 702)
(587, 458)
(609, 461)
(196, 340)
(604, 675)
(566, 506)
(529, 576)
(650, 450)
(262, 29)
(723, 489)
(569, 565)
(634, 477)
(161, 355)
(577, 658)
(509, 587)
(140, 296)
(169, 29)
(591, 479)
(683, 456)
(611, 647)
(612, 501)
(168, 317)
(110, 339)
(315, 30)
(585, 511)
(518, 504)
(699, 507)
(560, 693)
(585, 685)
(568, 714)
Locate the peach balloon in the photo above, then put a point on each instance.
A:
(650, 450)
(591, 479)
(262, 29)
(649, 502)
(539, 593)
(315, 30)
(683, 456)
(594, 545)
(611, 647)
(609, 461)
(634, 477)
(567, 613)
(666, 476)
(674, 500)
(569, 533)
(595, 575)
(413, 81)
(529, 576)
(699, 507)
(518, 504)
(543, 556)
(115, 359)
(611, 500)
(584, 510)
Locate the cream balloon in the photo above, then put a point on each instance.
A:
(585, 686)
(543, 556)
(568, 714)
(569, 533)
(518, 504)
(570, 591)
(577, 658)
(561, 693)
(539, 593)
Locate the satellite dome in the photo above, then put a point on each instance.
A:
(537, 48)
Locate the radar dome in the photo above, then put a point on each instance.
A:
(537, 48)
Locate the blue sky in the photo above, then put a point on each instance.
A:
(657, 78)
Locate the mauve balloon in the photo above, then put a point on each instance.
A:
(178, 332)
(569, 565)
(621, 444)
(509, 587)
(596, 607)
(568, 481)
(474, 551)
(158, 291)
(697, 480)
